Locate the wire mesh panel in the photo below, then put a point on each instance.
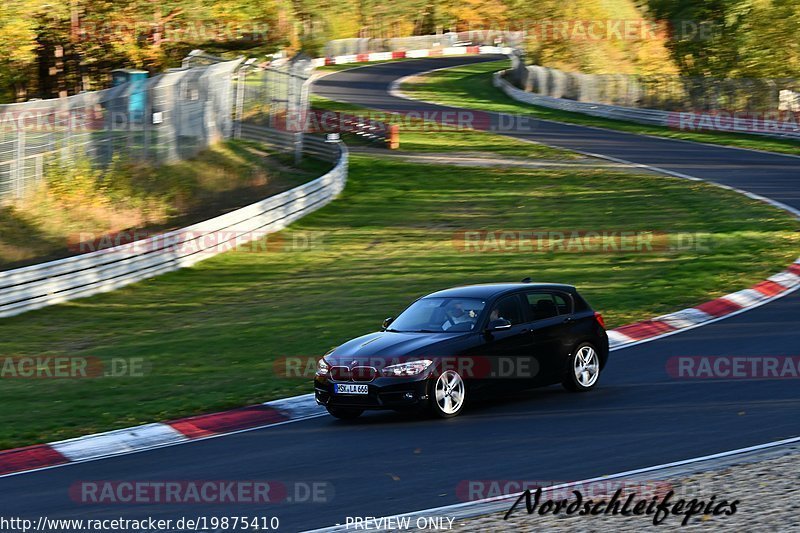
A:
(158, 120)
(274, 94)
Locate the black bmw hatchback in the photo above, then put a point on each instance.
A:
(449, 346)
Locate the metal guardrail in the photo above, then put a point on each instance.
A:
(654, 117)
(33, 287)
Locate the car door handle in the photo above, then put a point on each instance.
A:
(568, 319)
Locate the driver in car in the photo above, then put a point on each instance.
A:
(457, 315)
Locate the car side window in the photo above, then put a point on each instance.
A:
(543, 305)
(508, 308)
(563, 303)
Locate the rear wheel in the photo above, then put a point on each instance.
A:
(448, 395)
(583, 369)
(344, 413)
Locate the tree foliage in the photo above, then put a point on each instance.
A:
(47, 49)
(739, 38)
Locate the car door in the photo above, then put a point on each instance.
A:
(510, 350)
(550, 314)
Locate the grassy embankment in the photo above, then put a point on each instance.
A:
(49, 220)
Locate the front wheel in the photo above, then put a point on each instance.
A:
(344, 413)
(583, 369)
(449, 393)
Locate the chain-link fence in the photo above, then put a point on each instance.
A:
(669, 93)
(275, 95)
(163, 119)
(340, 47)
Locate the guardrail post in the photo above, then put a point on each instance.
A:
(19, 166)
(241, 90)
(297, 140)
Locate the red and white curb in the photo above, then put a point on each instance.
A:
(759, 294)
(157, 435)
(410, 54)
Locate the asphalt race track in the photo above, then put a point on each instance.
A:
(385, 463)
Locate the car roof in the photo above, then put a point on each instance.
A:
(490, 290)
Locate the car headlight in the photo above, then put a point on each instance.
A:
(411, 368)
(323, 367)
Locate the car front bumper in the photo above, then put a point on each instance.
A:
(384, 393)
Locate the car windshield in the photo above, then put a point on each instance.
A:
(435, 315)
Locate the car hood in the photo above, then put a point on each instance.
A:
(392, 345)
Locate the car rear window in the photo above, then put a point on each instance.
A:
(580, 304)
(542, 305)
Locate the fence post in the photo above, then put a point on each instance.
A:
(147, 120)
(241, 88)
(19, 177)
(297, 139)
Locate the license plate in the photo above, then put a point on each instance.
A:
(341, 388)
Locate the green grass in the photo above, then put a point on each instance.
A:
(210, 335)
(470, 86)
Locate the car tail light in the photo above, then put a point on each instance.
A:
(599, 318)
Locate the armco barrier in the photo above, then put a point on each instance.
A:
(654, 117)
(37, 286)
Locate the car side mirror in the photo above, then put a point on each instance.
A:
(388, 322)
(500, 323)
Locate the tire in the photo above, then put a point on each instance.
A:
(448, 394)
(344, 413)
(583, 368)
